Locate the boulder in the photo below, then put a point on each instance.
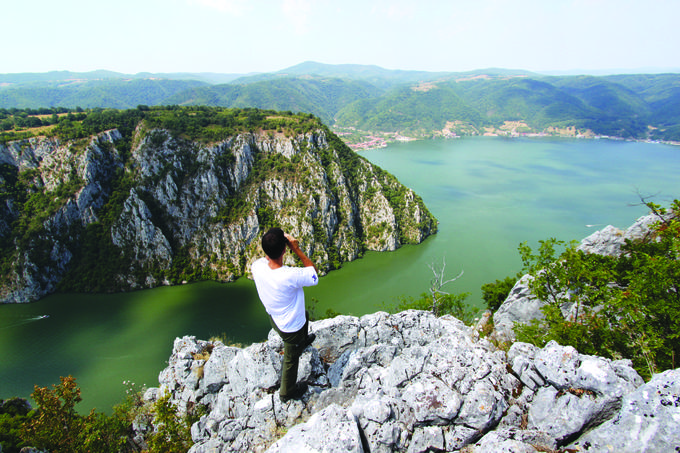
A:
(609, 240)
(413, 382)
(334, 422)
(648, 420)
(520, 306)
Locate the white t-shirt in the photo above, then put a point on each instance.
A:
(281, 292)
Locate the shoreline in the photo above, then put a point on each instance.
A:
(376, 142)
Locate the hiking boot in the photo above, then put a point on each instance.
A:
(300, 390)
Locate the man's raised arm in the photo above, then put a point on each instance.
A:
(294, 246)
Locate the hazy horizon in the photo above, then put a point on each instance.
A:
(261, 36)
(564, 72)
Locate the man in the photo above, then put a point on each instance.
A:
(281, 293)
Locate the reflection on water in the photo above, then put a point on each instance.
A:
(489, 195)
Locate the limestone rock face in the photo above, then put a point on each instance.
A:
(609, 240)
(41, 259)
(412, 382)
(647, 421)
(172, 209)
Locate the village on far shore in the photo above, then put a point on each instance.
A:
(359, 140)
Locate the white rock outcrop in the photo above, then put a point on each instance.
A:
(412, 382)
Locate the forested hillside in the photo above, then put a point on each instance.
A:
(117, 200)
(109, 92)
(377, 100)
(323, 97)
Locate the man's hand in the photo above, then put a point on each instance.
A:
(294, 246)
(291, 241)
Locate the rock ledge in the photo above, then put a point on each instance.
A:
(413, 382)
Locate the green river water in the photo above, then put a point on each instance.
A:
(489, 195)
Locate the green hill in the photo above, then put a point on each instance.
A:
(112, 93)
(408, 110)
(381, 78)
(374, 99)
(320, 96)
(585, 103)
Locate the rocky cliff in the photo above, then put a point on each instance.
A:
(153, 206)
(413, 382)
(416, 383)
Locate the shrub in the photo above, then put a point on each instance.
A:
(14, 414)
(447, 304)
(172, 432)
(494, 294)
(621, 307)
(56, 426)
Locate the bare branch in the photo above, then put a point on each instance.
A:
(438, 282)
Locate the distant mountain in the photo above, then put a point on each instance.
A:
(617, 106)
(370, 98)
(55, 76)
(109, 92)
(604, 95)
(322, 96)
(18, 79)
(408, 109)
(375, 75)
(489, 102)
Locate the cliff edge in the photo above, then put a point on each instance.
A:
(159, 204)
(413, 382)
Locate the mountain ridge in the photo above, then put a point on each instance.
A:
(378, 100)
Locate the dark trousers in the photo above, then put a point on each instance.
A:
(293, 345)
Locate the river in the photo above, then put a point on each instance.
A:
(489, 195)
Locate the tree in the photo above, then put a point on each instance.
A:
(437, 283)
(57, 427)
(618, 307)
(439, 302)
(495, 293)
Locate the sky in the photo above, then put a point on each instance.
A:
(246, 36)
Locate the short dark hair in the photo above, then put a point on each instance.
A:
(274, 243)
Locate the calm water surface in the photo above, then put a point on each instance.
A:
(489, 195)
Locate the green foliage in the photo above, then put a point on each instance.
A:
(447, 304)
(494, 294)
(56, 426)
(318, 95)
(173, 432)
(32, 206)
(209, 124)
(626, 306)
(314, 315)
(14, 414)
(95, 258)
(235, 208)
(119, 93)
